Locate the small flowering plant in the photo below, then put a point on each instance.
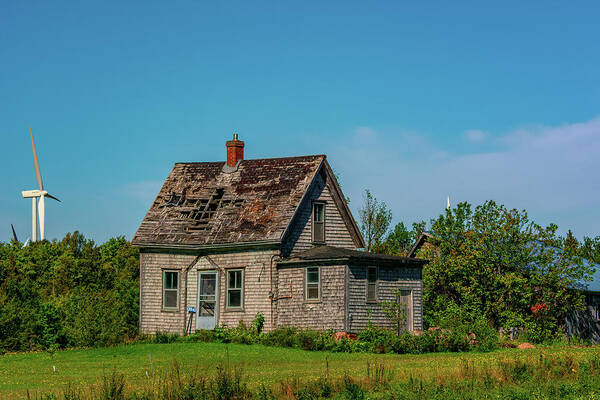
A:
(539, 309)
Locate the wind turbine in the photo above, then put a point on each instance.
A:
(14, 233)
(34, 195)
(16, 238)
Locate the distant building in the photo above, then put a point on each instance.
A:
(232, 239)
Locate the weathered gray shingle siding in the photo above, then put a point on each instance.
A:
(327, 313)
(152, 316)
(299, 237)
(256, 266)
(390, 279)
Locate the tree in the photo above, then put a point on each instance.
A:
(68, 292)
(395, 311)
(496, 263)
(375, 219)
(590, 249)
(398, 242)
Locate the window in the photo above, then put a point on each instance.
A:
(371, 284)
(235, 290)
(312, 283)
(171, 290)
(318, 222)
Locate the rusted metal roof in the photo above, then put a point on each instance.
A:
(205, 204)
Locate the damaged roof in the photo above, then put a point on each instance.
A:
(203, 203)
(330, 254)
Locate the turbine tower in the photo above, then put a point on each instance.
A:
(34, 195)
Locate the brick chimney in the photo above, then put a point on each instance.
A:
(235, 151)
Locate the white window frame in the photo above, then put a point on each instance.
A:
(164, 290)
(376, 283)
(313, 222)
(241, 289)
(306, 283)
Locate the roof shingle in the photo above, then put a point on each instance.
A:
(200, 204)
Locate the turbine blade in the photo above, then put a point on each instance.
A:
(53, 198)
(38, 173)
(26, 243)
(41, 216)
(14, 233)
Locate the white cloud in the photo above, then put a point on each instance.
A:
(475, 135)
(550, 171)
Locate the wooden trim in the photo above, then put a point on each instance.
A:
(141, 293)
(150, 247)
(346, 298)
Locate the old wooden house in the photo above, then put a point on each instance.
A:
(275, 236)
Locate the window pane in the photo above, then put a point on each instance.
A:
(207, 309)
(372, 274)
(207, 285)
(319, 212)
(312, 275)
(235, 279)
(371, 292)
(319, 231)
(170, 280)
(235, 298)
(231, 276)
(312, 291)
(171, 298)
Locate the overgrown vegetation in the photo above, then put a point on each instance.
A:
(492, 264)
(479, 337)
(66, 293)
(497, 264)
(541, 377)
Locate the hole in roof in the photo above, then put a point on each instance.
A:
(204, 210)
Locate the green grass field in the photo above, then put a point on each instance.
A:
(269, 365)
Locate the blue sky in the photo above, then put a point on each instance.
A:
(414, 101)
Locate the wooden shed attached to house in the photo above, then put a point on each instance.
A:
(231, 239)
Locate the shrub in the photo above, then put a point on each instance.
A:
(258, 322)
(486, 336)
(285, 337)
(50, 335)
(203, 335)
(351, 389)
(223, 334)
(308, 339)
(165, 337)
(242, 334)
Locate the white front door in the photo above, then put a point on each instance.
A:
(208, 305)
